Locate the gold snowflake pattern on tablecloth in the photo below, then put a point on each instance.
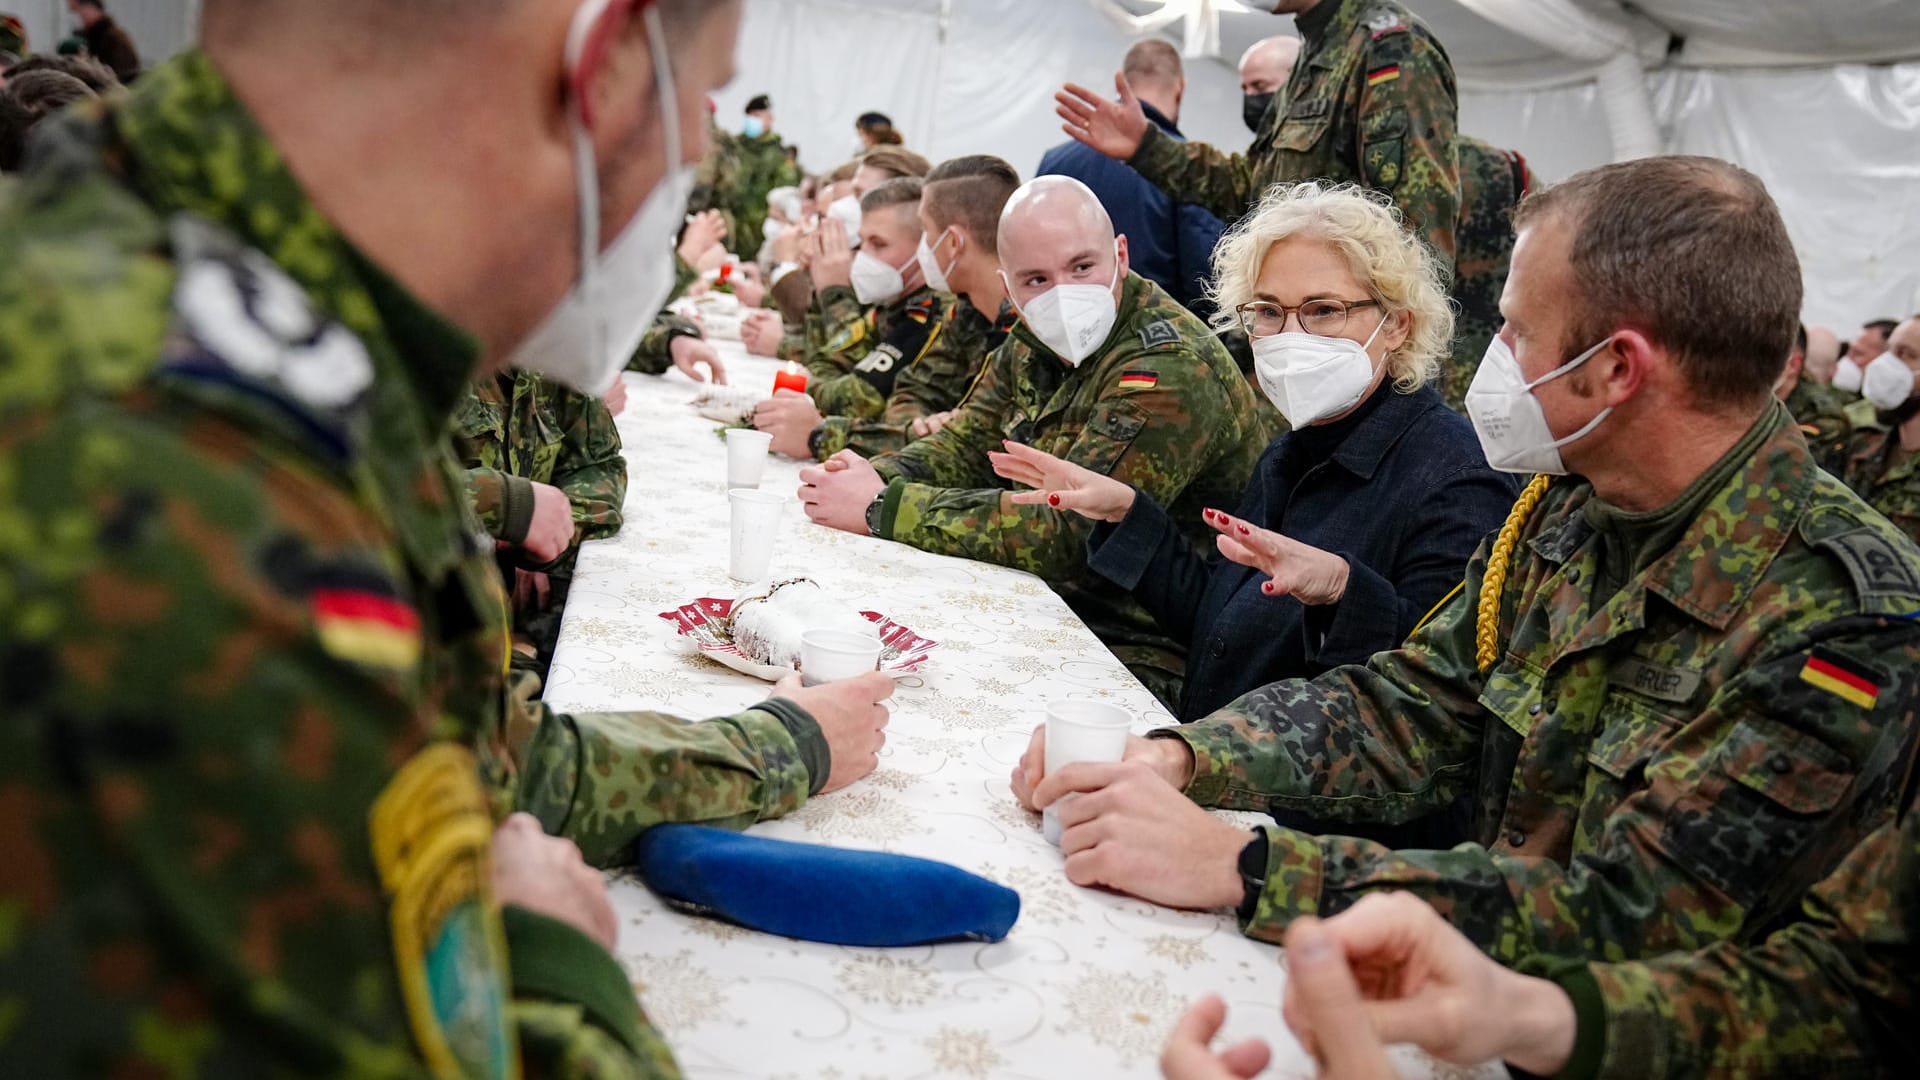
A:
(892, 779)
(1027, 588)
(598, 631)
(862, 814)
(677, 994)
(1027, 663)
(1122, 1011)
(657, 686)
(886, 980)
(1184, 951)
(966, 1051)
(1046, 896)
(964, 713)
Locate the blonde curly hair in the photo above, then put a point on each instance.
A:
(1367, 228)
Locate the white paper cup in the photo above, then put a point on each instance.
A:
(832, 655)
(747, 457)
(1081, 732)
(756, 519)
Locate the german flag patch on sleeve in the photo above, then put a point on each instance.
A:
(1138, 380)
(1841, 677)
(1382, 76)
(364, 627)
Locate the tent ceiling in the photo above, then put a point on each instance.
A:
(1714, 32)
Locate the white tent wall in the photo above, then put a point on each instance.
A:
(159, 28)
(1839, 147)
(989, 89)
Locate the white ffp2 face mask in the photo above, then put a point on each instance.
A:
(1507, 416)
(1887, 382)
(930, 267)
(1847, 376)
(875, 282)
(846, 210)
(1309, 377)
(1073, 320)
(586, 341)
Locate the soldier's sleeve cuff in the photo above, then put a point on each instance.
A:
(1576, 976)
(890, 509)
(516, 508)
(805, 731)
(1212, 760)
(1292, 888)
(554, 961)
(1154, 147)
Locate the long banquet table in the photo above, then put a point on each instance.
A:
(1088, 983)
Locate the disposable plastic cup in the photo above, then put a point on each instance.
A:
(832, 655)
(756, 519)
(747, 457)
(1081, 732)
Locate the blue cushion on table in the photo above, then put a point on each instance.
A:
(818, 893)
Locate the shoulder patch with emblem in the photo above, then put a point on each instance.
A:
(1383, 21)
(1841, 677)
(1884, 575)
(242, 323)
(1138, 380)
(1158, 332)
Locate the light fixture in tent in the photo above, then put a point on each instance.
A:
(1199, 19)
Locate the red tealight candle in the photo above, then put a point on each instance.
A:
(792, 377)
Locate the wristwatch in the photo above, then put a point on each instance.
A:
(814, 439)
(1253, 873)
(874, 509)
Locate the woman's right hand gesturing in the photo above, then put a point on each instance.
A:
(1062, 484)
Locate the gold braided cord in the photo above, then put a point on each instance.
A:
(1487, 629)
(1444, 601)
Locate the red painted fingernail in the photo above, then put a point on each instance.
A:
(1267, 588)
(1244, 531)
(1053, 500)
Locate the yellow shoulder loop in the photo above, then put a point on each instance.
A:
(1487, 629)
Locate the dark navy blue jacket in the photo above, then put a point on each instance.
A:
(1402, 492)
(1167, 242)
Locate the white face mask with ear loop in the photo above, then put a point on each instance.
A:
(1847, 375)
(586, 340)
(1508, 418)
(1309, 377)
(929, 259)
(1887, 382)
(1073, 319)
(874, 281)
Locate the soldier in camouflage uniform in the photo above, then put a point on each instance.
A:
(716, 182)
(1825, 415)
(260, 729)
(1883, 459)
(1492, 183)
(517, 430)
(1670, 722)
(1371, 101)
(762, 165)
(1156, 403)
(931, 383)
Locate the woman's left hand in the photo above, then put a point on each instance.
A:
(1301, 571)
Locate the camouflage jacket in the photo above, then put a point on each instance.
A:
(1887, 478)
(1830, 994)
(716, 181)
(1160, 406)
(1692, 715)
(935, 383)
(1825, 420)
(253, 649)
(763, 166)
(1371, 102)
(521, 429)
(883, 344)
(655, 352)
(1492, 183)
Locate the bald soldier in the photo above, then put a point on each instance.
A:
(260, 744)
(1103, 370)
(1264, 70)
(1674, 690)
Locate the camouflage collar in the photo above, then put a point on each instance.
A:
(194, 148)
(1330, 20)
(1740, 529)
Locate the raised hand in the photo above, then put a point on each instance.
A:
(1115, 128)
(1298, 570)
(1062, 484)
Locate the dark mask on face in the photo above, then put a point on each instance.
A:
(1253, 109)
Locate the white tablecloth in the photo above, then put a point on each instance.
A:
(1087, 984)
